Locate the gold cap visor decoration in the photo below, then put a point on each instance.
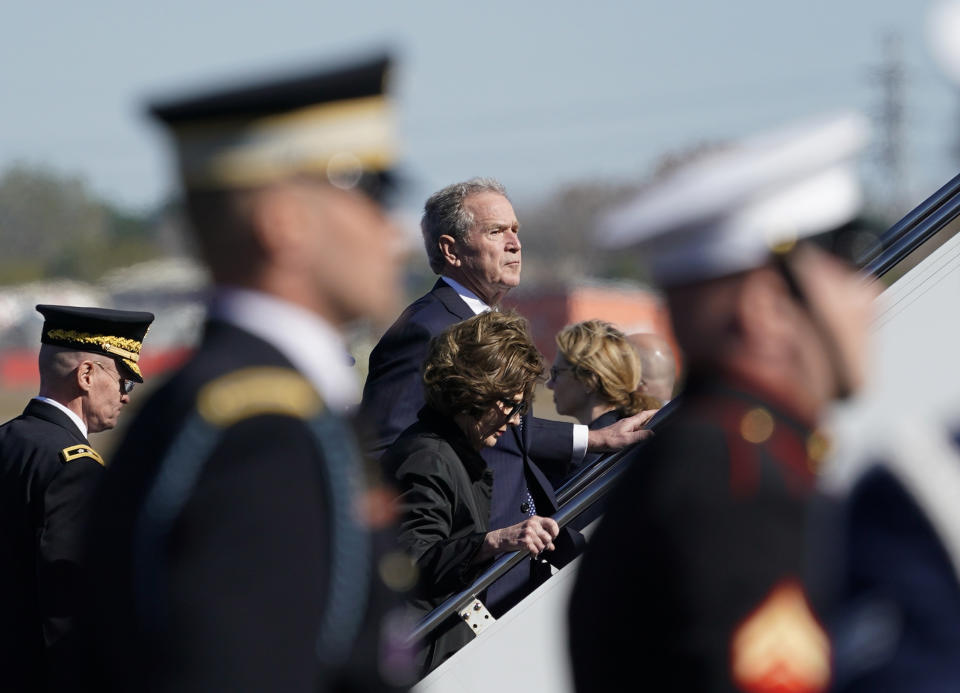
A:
(117, 334)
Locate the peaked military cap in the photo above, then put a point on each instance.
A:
(115, 333)
(729, 211)
(336, 124)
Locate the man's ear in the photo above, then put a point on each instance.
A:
(449, 250)
(84, 375)
(278, 222)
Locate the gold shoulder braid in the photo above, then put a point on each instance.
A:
(255, 392)
(76, 451)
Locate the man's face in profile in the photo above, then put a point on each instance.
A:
(491, 253)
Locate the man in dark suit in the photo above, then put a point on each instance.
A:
(48, 471)
(471, 236)
(234, 543)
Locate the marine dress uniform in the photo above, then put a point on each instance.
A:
(48, 472)
(695, 578)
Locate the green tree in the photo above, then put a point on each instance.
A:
(52, 225)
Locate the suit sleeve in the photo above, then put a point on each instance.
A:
(60, 572)
(550, 446)
(393, 392)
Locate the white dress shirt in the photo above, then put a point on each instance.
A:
(312, 345)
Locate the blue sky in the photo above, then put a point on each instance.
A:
(537, 94)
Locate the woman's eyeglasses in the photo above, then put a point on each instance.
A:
(511, 407)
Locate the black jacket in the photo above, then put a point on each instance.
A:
(446, 491)
(44, 500)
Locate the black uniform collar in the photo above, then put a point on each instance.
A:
(49, 413)
(446, 429)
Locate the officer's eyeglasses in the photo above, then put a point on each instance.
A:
(126, 386)
(511, 407)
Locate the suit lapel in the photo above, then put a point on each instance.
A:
(451, 300)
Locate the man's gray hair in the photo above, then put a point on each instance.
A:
(56, 363)
(445, 214)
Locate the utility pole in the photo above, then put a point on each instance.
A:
(891, 76)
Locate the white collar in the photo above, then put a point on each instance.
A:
(311, 344)
(473, 301)
(69, 412)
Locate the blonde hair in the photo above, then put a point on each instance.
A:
(474, 363)
(604, 362)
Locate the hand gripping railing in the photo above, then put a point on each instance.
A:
(592, 483)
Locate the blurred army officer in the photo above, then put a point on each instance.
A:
(234, 543)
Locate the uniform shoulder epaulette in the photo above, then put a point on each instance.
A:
(259, 391)
(74, 452)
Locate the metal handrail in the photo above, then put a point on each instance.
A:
(583, 477)
(592, 483)
(916, 227)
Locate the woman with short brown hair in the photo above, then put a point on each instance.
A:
(478, 378)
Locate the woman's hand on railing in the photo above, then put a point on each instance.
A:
(534, 535)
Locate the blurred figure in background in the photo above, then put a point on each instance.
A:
(658, 365)
(48, 473)
(234, 543)
(773, 327)
(594, 376)
(479, 377)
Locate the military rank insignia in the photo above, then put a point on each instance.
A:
(76, 451)
(780, 647)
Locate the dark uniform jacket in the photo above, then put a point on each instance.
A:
(700, 552)
(393, 394)
(225, 541)
(44, 499)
